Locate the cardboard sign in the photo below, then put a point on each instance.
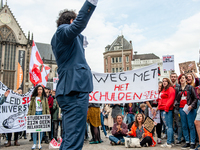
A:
(38, 123)
(149, 124)
(187, 67)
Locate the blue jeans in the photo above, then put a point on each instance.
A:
(35, 134)
(167, 118)
(103, 126)
(188, 121)
(116, 139)
(130, 118)
(74, 115)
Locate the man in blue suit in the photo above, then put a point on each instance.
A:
(75, 77)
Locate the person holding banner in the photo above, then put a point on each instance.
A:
(38, 106)
(165, 105)
(186, 103)
(3, 98)
(75, 77)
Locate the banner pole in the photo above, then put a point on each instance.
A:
(39, 140)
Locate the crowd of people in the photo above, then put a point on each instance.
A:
(177, 105)
(179, 116)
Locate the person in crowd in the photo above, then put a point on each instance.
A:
(197, 119)
(130, 110)
(50, 103)
(102, 120)
(108, 119)
(16, 134)
(138, 130)
(143, 109)
(38, 106)
(118, 131)
(186, 96)
(94, 119)
(75, 77)
(9, 135)
(177, 118)
(4, 97)
(153, 106)
(116, 109)
(165, 105)
(173, 78)
(192, 79)
(57, 119)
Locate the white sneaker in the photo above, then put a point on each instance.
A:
(167, 145)
(107, 136)
(159, 141)
(164, 136)
(34, 146)
(5, 142)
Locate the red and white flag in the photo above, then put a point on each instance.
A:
(45, 74)
(38, 71)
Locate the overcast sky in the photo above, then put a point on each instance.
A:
(158, 26)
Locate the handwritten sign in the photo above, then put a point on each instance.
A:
(168, 62)
(156, 118)
(187, 67)
(125, 87)
(149, 124)
(38, 123)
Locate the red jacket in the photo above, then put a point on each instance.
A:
(167, 99)
(146, 133)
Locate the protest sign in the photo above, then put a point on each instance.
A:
(168, 62)
(13, 110)
(125, 87)
(156, 118)
(187, 67)
(38, 123)
(55, 81)
(149, 124)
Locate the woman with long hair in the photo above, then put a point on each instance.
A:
(192, 79)
(186, 99)
(138, 130)
(166, 106)
(38, 106)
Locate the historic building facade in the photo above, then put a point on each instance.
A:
(15, 52)
(118, 53)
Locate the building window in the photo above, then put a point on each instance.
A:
(120, 59)
(120, 69)
(106, 70)
(113, 60)
(116, 59)
(106, 61)
(127, 68)
(127, 59)
(113, 70)
(165, 71)
(116, 69)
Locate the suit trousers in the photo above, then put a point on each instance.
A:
(74, 114)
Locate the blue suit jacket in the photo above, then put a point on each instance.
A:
(67, 45)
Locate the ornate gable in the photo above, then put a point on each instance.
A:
(10, 29)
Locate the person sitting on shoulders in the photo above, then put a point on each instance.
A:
(138, 131)
(118, 131)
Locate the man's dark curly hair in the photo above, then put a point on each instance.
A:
(65, 16)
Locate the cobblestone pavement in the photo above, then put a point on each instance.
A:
(26, 145)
